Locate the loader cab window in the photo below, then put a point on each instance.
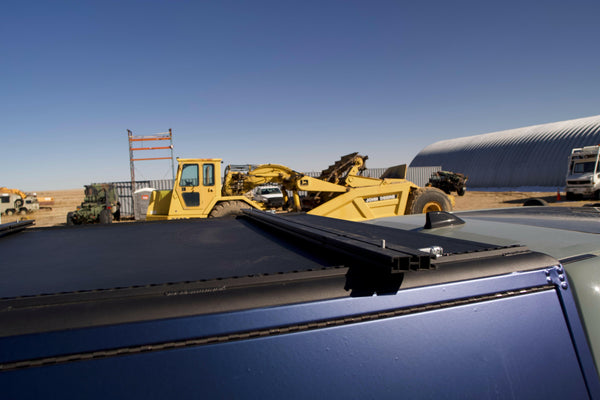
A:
(5, 199)
(208, 174)
(189, 175)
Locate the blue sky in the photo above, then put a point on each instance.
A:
(298, 83)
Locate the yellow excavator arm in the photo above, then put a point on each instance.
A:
(14, 191)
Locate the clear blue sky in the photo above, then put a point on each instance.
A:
(298, 83)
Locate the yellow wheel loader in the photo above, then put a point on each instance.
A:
(339, 192)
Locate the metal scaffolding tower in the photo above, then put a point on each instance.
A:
(149, 138)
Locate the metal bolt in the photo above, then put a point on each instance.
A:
(564, 285)
(561, 277)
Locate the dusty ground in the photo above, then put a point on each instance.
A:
(68, 200)
(482, 200)
(64, 201)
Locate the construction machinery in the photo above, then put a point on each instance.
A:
(14, 201)
(101, 204)
(449, 182)
(338, 192)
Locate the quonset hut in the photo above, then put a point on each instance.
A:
(534, 156)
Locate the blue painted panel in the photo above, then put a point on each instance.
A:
(92, 339)
(517, 347)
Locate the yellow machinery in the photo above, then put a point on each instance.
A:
(13, 191)
(339, 192)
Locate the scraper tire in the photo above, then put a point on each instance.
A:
(228, 209)
(424, 200)
(535, 202)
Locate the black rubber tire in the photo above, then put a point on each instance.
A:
(70, 220)
(18, 204)
(534, 202)
(228, 209)
(23, 211)
(105, 217)
(461, 191)
(596, 195)
(427, 199)
(9, 212)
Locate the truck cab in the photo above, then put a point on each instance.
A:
(271, 196)
(583, 175)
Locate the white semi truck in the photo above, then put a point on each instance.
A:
(583, 174)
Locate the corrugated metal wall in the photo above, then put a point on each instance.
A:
(420, 175)
(531, 156)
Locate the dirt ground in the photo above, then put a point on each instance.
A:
(482, 200)
(64, 201)
(68, 200)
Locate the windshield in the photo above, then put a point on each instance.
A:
(270, 191)
(584, 167)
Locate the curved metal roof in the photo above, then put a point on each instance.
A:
(530, 156)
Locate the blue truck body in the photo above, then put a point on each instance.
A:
(285, 307)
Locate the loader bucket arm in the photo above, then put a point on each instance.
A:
(348, 165)
(240, 182)
(237, 183)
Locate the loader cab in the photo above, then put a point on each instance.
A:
(198, 182)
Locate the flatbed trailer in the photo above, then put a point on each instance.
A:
(284, 306)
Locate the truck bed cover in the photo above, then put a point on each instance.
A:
(111, 273)
(273, 306)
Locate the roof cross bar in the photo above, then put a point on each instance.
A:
(393, 257)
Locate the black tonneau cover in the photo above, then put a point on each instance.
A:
(101, 274)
